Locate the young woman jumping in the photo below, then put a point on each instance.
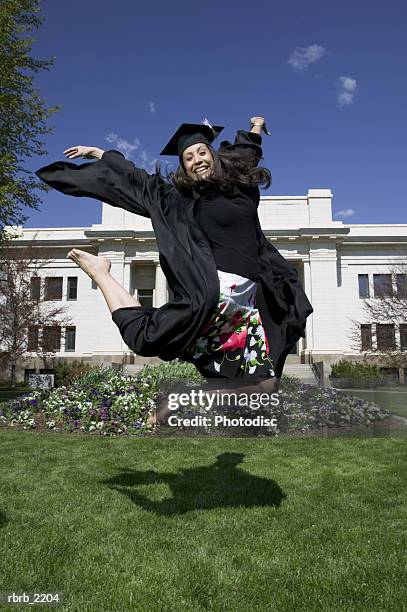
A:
(238, 306)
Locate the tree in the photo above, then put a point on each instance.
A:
(382, 332)
(29, 318)
(23, 113)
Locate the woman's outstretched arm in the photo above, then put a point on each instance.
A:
(85, 152)
(112, 179)
(247, 144)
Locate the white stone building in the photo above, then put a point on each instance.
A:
(337, 264)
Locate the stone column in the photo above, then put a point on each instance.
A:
(330, 314)
(309, 330)
(160, 286)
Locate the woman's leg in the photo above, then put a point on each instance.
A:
(98, 268)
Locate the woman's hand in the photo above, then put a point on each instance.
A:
(258, 124)
(85, 152)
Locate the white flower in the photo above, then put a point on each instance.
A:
(250, 356)
(252, 369)
(260, 332)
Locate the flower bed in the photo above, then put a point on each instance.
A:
(308, 408)
(104, 401)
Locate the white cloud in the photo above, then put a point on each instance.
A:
(346, 90)
(147, 162)
(142, 159)
(348, 212)
(122, 144)
(112, 137)
(302, 57)
(152, 107)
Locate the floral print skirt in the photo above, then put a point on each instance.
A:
(233, 343)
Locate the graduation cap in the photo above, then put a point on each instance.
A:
(191, 133)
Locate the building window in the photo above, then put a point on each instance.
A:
(32, 340)
(53, 288)
(363, 285)
(72, 288)
(142, 283)
(51, 338)
(403, 336)
(27, 373)
(386, 338)
(401, 285)
(70, 337)
(145, 297)
(366, 337)
(390, 373)
(35, 288)
(382, 285)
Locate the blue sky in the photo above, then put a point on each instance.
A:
(330, 78)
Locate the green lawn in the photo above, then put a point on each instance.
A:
(394, 401)
(163, 524)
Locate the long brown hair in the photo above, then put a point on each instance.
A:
(229, 168)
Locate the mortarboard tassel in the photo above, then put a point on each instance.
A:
(206, 122)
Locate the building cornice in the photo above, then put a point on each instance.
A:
(308, 233)
(91, 237)
(138, 236)
(376, 239)
(52, 242)
(118, 233)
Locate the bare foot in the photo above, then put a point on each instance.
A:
(91, 264)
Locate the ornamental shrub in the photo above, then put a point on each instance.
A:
(166, 374)
(66, 371)
(350, 369)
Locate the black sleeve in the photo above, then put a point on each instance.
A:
(112, 179)
(247, 144)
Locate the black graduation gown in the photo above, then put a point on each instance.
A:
(185, 257)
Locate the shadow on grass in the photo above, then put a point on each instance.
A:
(219, 485)
(3, 519)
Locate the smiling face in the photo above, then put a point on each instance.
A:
(198, 161)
